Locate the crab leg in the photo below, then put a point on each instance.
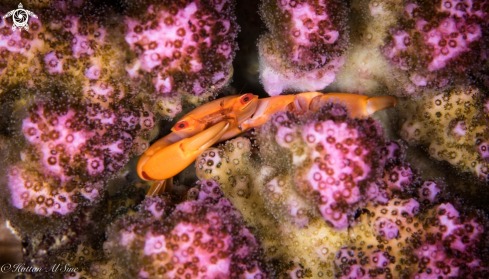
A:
(160, 186)
(358, 105)
(169, 160)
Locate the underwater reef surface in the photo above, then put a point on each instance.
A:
(87, 86)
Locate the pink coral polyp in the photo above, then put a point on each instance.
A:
(333, 159)
(435, 41)
(21, 42)
(177, 40)
(308, 23)
(31, 191)
(443, 45)
(303, 50)
(90, 140)
(204, 238)
(434, 242)
(60, 139)
(339, 166)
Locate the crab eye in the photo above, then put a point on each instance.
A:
(181, 125)
(246, 98)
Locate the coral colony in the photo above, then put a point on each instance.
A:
(312, 193)
(188, 48)
(433, 40)
(205, 237)
(305, 45)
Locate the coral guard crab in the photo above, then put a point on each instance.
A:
(230, 116)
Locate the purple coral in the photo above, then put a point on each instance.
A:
(446, 247)
(378, 261)
(341, 162)
(34, 192)
(343, 156)
(72, 149)
(204, 238)
(21, 42)
(397, 175)
(67, 44)
(457, 236)
(386, 228)
(483, 149)
(187, 46)
(435, 263)
(77, 140)
(435, 41)
(86, 39)
(428, 192)
(304, 48)
(19, 45)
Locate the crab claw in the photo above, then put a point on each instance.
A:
(379, 103)
(172, 159)
(358, 105)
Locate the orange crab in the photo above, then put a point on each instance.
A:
(230, 116)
